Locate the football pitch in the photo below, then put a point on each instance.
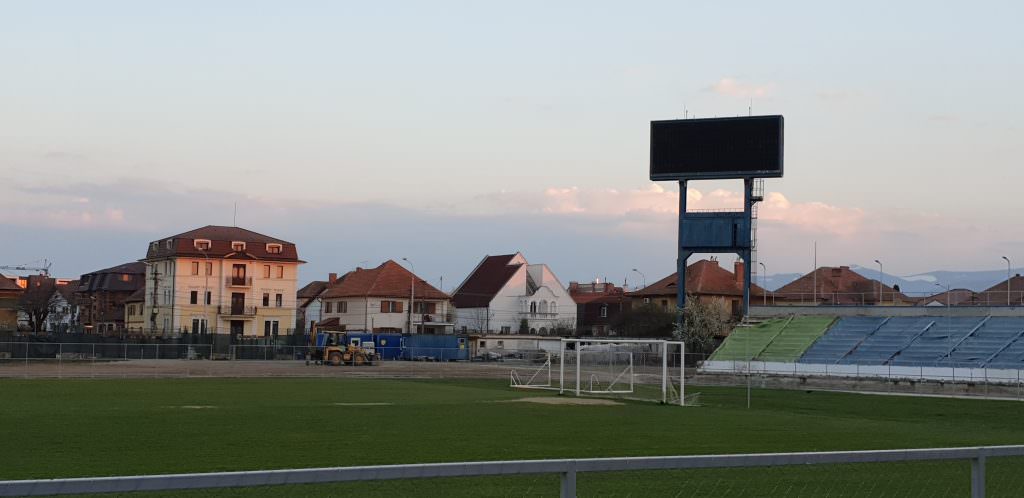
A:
(74, 428)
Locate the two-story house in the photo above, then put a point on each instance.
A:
(597, 306)
(507, 295)
(221, 280)
(388, 298)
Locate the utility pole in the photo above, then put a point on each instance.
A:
(412, 291)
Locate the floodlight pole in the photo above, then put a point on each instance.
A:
(1008, 270)
(683, 255)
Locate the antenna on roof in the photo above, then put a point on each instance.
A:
(234, 216)
(750, 108)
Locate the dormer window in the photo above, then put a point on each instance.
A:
(238, 246)
(202, 244)
(170, 243)
(273, 248)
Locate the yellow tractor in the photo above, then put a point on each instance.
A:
(331, 348)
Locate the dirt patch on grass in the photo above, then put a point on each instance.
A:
(563, 400)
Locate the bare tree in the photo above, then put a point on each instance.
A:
(480, 320)
(36, 303)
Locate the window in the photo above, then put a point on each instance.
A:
(647, 300)
(238, 246)
(664, 304)
(170, 243)
(342, 306)
(390, 306)
(604, 311)
(483, 344)
(328, 307)
(266, 300)
(126, 277)
(209, 295)
(209, 268)
(273, 248)
(533, 307)
(501, 344)
(195, 268)
(423, 307)
(266, 271)
(193, 297)
(506, 330)
(202, 244)
(266, 328)
(280, 271)
(278, 300)
(273, 328)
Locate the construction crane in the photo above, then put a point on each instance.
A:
(44, 269)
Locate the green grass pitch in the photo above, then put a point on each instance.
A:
(72, 428)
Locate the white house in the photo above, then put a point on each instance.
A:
(507, 295)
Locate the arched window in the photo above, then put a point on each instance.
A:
(553, 308)
(533, 331)
(543, 306)
(533, 307)
(543, 331)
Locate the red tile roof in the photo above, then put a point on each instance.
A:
(485, 282)
(997, 293)
(220, 238)
(705, 277)
(8, 284)
(112, 280)
(840, 285)
(137, 297)
(390, 279)
(595, 293)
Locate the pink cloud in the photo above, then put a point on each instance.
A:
(731, 87)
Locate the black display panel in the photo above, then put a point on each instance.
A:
(716, 148)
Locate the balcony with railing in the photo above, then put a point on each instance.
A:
(237, 311)
(238, 281)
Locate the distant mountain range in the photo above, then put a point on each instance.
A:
(918, 284)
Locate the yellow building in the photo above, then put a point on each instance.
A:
(221, 280)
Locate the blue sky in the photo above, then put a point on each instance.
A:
(482, 127)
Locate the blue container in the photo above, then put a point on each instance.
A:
(389, 346)
(435, 347)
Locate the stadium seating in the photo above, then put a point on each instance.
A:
(923, 341)
(890, 338)
(795, 337)
(745, 342)
(777, 339)
(932, 345)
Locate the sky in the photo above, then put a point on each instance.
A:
(445, 131)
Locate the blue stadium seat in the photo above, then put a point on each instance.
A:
(844, 335)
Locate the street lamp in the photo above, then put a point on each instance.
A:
(880, 276)
(412, 291)
(764, 288)
(1007, 280)
(642, 276)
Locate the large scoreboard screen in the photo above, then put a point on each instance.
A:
(717, 148)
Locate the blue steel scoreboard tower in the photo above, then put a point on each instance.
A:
(746, 148)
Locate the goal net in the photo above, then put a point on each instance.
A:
(649, 370)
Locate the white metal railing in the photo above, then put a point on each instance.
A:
(567, 468)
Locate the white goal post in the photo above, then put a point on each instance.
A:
(625, 368)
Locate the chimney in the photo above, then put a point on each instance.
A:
(332, 278)
(738, 270)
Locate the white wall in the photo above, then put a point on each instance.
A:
(512, 304)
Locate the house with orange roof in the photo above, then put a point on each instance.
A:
(707, 281)
(385, 299)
